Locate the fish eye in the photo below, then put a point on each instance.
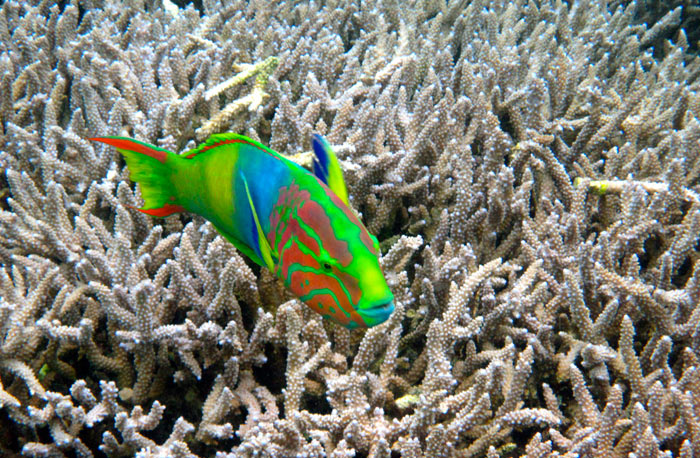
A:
(327, 266)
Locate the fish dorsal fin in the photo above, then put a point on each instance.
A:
(327, 168)
(263, 244)
(218, 140)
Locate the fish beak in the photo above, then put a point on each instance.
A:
(377, 314)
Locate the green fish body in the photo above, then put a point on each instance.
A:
(297, 224)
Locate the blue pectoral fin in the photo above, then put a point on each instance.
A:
(263, 245)
(327, 168)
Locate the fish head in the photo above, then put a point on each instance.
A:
(328, 258)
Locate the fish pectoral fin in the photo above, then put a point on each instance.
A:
(327, 168)
(263, 245)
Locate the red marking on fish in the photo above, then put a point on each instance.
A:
(315, 217)
(290, 198)
(165, 210)
(293, 255)
(352, 285)
(130, 145)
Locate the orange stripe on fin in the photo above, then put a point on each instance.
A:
(228, 142)
(165, 210)
(131, 145)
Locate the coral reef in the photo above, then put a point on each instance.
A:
(531, 170)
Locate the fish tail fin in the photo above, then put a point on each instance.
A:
(152, 168)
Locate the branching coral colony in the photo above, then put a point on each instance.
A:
(533, 316)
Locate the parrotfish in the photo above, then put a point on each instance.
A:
(296, 223)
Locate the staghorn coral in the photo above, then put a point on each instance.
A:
(534, 317)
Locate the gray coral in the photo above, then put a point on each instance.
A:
(535, 316)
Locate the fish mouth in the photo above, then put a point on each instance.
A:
(377, 314)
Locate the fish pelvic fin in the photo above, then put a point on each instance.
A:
(152, 168)
(327, 168)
